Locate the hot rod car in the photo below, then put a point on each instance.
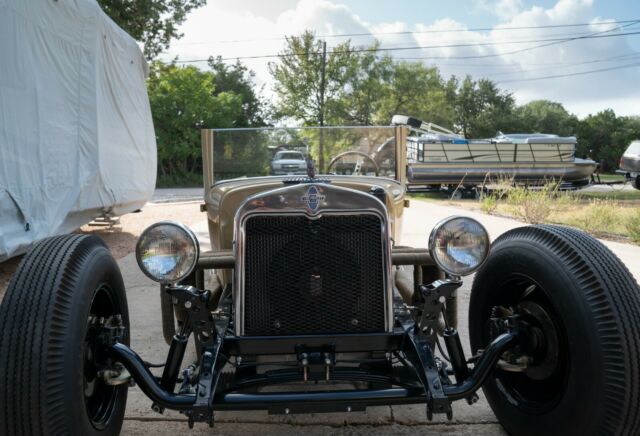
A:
(308, 284)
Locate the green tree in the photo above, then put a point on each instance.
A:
(417, 90)
(604, 137)
(482, 109)
(366, 88)
(152, 22)
(183, 100)
(302, 93)
(466, 106)
(310, 85)
(544, 116)
(595, 138)
(238, 79)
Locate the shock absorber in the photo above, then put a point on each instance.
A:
(454, 348)
(456, 354)
(174, 359)
(172, 365)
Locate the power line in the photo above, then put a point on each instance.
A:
(580, 73)
(622, 58)
(594, 35)
(547, 42)
(493, 64)
(426, 31)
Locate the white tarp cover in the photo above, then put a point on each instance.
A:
(76, 134)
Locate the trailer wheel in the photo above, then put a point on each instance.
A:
(584, 375)
(49, 323)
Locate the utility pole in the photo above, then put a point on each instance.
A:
(322, 107)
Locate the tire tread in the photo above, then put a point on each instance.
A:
(37, 305)
(614, 298)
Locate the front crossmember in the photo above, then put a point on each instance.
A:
(419, 378)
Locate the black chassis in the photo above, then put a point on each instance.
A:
(420, 376)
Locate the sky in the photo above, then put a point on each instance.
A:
(487, 44)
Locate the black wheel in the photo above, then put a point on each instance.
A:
(49, 357)
(636, 182)
(583, 309)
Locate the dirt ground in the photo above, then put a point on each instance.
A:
(123, 237)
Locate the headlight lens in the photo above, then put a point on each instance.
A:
(167, 252)
(459, 245)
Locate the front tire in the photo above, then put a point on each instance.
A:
(586, 381)
(47, 363)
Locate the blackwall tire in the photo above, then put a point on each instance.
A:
(636, 182)
(44, 362)
(595, 306)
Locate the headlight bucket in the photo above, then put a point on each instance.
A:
(459, 245)
(167, 252)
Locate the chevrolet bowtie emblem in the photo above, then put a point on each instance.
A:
(313, 198)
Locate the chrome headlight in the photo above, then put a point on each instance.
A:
(167, 252)
(459, 245)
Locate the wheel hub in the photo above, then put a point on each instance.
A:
(537, 352)
(544, 341)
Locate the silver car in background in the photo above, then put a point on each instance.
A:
(287, 162)
(630, 164)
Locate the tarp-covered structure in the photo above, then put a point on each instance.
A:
(76, 134)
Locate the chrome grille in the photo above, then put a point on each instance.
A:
(307, 275)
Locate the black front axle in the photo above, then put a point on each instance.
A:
(357, 398)
(422, 378)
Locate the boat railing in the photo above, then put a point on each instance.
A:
(462, 151)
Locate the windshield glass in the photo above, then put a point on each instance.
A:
(341, 150)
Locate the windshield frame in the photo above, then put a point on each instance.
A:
(396, 167)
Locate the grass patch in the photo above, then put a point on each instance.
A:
(611, 177)
(632, 225)
(598, 217)
(615, 193)
(614, 216)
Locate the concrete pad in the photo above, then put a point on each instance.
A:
(136, 427)
(201, 230)
(372, 416)
(463, 413)
(173, 195)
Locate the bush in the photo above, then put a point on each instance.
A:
(632, 225)
(188, 180)
(488, 204)
(533, 206)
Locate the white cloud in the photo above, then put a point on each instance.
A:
(504, 9)
(207, 27)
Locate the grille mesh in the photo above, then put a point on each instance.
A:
(313, 276)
